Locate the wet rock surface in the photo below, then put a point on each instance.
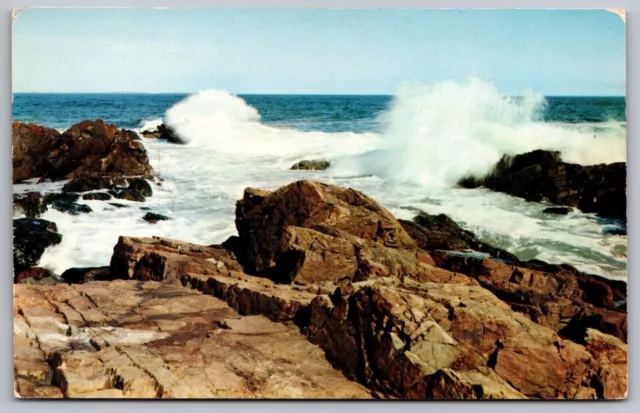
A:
(311, 165)
(542, 176)
(30, 238)
(152, 217)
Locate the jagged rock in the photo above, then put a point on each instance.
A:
(72, 208)
(559, 297)
(141, 185)
(311, 232)
(117, 205)
(557, 210)
(542, 176)
(447, 341)
(89, 148)
(309, 165)
(97, 196)
(31, 204)
(152, 217)
(136, 339)
(30, 238)
(82, 275)
(31, 145)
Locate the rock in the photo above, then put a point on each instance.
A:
(558, 297)
(31, 204)
(152, 217)
(82, 275)
(117, 205)
(308, 165)
(137, 339)
(557, 210)
(129, 194)
(31, 145)
(164, 132)
(30, 238)
(542, 176)
(310, 232)
(35, 275)
(92, 183)
(89, 148)
(141, 185)
(71, 207)
(439, 232)
(97, 196)
(167, 259)
(447, 341)
(52, 197)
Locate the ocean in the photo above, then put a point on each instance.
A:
(406, 151)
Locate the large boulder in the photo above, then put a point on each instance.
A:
(31, 145)
(30, 238)
(311, 232)
(542, 176)
(89, 148)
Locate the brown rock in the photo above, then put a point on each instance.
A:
(159, 340)
(559, 297)
(89, 148)
(450, 341)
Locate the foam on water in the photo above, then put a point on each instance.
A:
(426, 143)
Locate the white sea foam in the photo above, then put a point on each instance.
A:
(431, 135)
(150, 124)
(436, 134)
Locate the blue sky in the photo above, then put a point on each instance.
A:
(554, 52)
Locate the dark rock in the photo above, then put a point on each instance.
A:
(309, 165)
(164, 132)
(89, 148)
(117, 205)
(145, 208)
(72, 208)
(439, 232)
(152, 217)
(52, 197)
(130, 195)
(141, 185)
(82, 275)
(557, 210)
(97, 196)
(542, 176)
(91, 183)
(31, 204)
(30, 238)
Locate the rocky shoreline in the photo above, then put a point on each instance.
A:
(322, 294)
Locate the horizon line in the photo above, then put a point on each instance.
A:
(271, 94)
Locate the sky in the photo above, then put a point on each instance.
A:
(316, 51)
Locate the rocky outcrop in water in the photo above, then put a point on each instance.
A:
(89, 148)
(30, 238)
(322, 294)
(542, 176)
(311, 165)
(164, 132)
